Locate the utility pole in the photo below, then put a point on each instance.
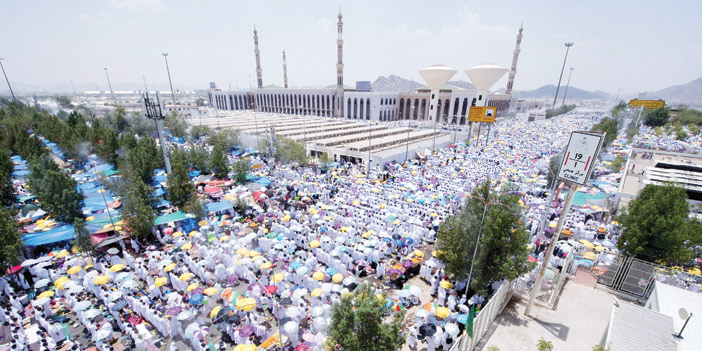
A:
(109, 84)
(154, 110)
(8, 81)
(74, 88)
(568, 45)
(567, 85)
(165, 56)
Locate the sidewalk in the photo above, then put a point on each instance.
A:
(578, 323)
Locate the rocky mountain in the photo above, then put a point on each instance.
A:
(548, 91)
(689, 93)
(395, 84)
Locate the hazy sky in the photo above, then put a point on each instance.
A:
(633, 45)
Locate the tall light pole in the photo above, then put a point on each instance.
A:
(567, 85)
(568, 45)
(165, 56)
(109, 84)
(154, 110)
(8, 81)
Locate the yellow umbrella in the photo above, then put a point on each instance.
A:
(589, 245)
(47, 293)
(583, 241)
(90, 219)
(74, 269)
(215, 311)
(252, 254)
(286, 218)
(247, 347)
(446, 285)
(356, 202)
(117, 267)
(192, 286)
(314, 243)
(201, 223)
(418, 253)
(318, 275)
(589, 255)
(278, 277)
(442, 312)
(186, 246)
(599, 248)
(101, 279)
(242, 252)
(695, 271)
(169, 267)
(266, 265)
(225, 238)
(177, 234)
(410, 200)
(185, 276)
(434, 214)
(246, 304)
(193, 233)
(317, 292)
(336, 278)
(211, 291)
(160, 281)
(62, 254)
(383, 205)
(365, 235)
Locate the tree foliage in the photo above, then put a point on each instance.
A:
(7, 193)
(689, 116)
(609, 126)
(10, 242)
(199, 131)
(55, 190)
(179, 187)
(138, 211)
(226, 138)
(83, 240)
(144, 159)
(219, 166)
(502, 252)
(63, 101)
(657, 117)
(617, 163)
(241, 168)
(657, 227)
(198, 158)
(288, 150)
(553, 166)
(553, 112)
(176, 124)
(358, 324)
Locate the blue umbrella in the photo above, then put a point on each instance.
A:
(462, 318)
(409, 241)
(323, 229)
(197, 299)
(387, 240)
(295, 265)
(331, 270)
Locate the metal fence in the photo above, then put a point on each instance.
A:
(636, 277)
(553, 282)
(482, 322)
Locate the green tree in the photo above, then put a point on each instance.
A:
(241, 168)
(657, 227)
(64, 102)
(226, 138)
(7, 193)
(218, 162)
(324, 158)
(689, 116)
(358, 324)
(616, 110)
(176, 124)
(55, 190)
(680, 135)
(559, 110)
(198, 131)
(83, 240)
(200, 102)
(138, 211)
(502, 252)
(609, 126)
(195, 206)
(179, 187)
(144, 159)
(198, 158)
(693, 129)
(288, 150)
(544, 345)
(657, 117)
(119, 118)
(553, 166)
(617, 163)
(10, 241)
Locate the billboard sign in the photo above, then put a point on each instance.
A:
(580, 156)
(482, 114)
(653, 104)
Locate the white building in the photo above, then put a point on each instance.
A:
(371, 106)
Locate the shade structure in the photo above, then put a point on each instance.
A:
(42, 283)
(436, 76)
(485, 75)
(81, 305)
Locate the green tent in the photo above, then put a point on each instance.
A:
(172, 217)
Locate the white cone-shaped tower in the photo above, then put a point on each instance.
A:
(484, 76)
(435, 76)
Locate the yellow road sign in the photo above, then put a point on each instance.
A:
(655, 104)
(482, 114)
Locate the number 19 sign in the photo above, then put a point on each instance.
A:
(580, 156)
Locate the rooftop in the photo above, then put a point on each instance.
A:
(634, 328)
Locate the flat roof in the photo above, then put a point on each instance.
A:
(634, 328)
(670, 300)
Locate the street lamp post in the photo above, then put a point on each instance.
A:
(568, 45)
(165, 56)
(567, 85)
(109, 84)
(8, 81)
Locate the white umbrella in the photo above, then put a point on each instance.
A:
(404, 293)
(42, 283)
(115, 295)
(128, 284)
(201, 332)
(192, 327)
(317, 311)
(184, 315)
(81, 305)
(91, 313)
(102, 334)
(29, 262)
(291, 327)
(415, 290)
(422, 313)
(122, 276)
(292, 311)
(39, 302)
(451, 329)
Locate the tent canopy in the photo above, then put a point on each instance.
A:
(219, 206)
(172, 217)
(58, 234)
